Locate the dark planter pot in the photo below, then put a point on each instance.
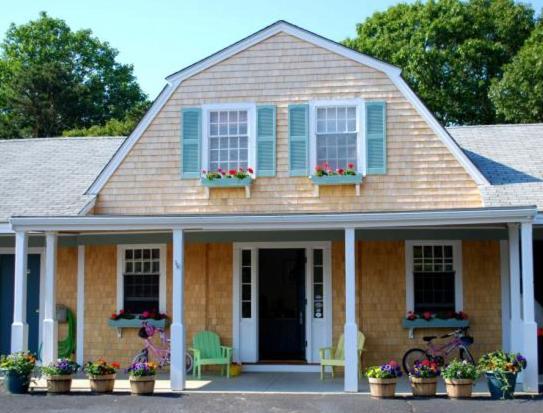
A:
(15, 383)
(501, 385)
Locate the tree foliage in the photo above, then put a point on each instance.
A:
(450, 51)
(518, 95)
(54, 79)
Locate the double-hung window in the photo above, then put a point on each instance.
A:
(336, 134)
(229, 137)
(434, 279)
(141, 279)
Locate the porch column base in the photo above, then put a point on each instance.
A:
(50, 343)
(177, 367)
(19, 337)
(530, 378)
(351, 357)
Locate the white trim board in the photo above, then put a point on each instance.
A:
(393, 72)
(248, 222)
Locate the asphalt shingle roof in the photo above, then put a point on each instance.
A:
(48, 176)
(510, 157)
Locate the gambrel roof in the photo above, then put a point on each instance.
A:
(393, 72)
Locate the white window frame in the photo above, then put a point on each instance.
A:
(250, 107)
(457, 267)
(361, 132)
(162, 304)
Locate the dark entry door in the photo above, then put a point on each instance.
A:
(281, 304)
(7, 278)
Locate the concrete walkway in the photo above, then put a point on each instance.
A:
(299, 383)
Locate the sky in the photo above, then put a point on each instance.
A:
(160, 37)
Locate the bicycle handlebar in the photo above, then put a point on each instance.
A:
(455, 332)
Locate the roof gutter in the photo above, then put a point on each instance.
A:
(277, 222)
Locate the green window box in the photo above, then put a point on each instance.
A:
(337, 179)
(227, 182)
(434, 323)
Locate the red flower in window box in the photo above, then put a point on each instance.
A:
(411, 316)
(340, 171)
(250, 170)
(427, 315)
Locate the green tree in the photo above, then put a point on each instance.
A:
(113, 127)
(54, 79)
(518, 95)
(449, 50)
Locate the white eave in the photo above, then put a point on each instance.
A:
(393, 72)
(5, 228)
(278, 222)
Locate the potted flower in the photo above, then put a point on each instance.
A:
(383, 379)
(501, 370)
(59, 375)
(423, 378)
(17, 368)
(459, 377)
(235, 369)
(101, 375)
(142, 377)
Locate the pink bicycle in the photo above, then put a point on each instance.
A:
(440, 353)
(161, 354)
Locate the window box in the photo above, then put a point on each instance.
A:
(135, 323)
(229, 183)
(337, 179)
(434, 323)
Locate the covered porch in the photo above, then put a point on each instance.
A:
(350, 241)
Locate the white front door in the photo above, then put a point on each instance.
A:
(318, 317)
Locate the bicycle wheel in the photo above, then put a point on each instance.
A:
(409, 358)
(189, 362)
(141, 357)
(466, 355)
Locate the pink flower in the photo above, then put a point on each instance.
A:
(250, 170)
(318, 168)
(232, 172)
(204, 171)
(350, 165)
(340, 171)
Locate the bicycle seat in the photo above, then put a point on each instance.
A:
(428, 338)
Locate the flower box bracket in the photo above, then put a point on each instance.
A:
(334, 180)
(123, 323)
(420, 323)
(227, 183)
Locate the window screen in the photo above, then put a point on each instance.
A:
(228, 140)
(336, 136)
(434, 278)
(141, 280)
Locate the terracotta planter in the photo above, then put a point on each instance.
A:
(142, 385)
(459, 388)
(102, 384)
(423, 387)
(59, 383)
(382, 388)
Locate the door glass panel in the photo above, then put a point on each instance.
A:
(246, 284)
(318, 284)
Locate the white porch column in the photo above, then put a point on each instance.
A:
(351, 328)
(19, 327)
(505, 295)
(514, 289)
(80, 326)
(528, 309)
(50, 326)
(177, 329)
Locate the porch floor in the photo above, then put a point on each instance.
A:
(260, 383)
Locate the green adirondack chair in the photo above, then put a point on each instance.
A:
(335, 356)
(207, 351)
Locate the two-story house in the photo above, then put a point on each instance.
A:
(282, 262)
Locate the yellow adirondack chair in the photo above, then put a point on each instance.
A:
(335, 356)
(207, 350)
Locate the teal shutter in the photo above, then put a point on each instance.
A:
(265, 140)
(298, 134)
(376, 142)
(191, 136)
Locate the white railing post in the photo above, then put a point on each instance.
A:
(19, 327)
(528, 309)
(177, 329)
(50, 326)
(80, 326)
(514, 288)
(351, 328)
